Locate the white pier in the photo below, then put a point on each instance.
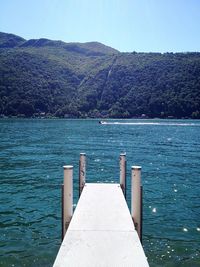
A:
(101, 232)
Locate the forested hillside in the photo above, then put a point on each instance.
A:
(54, 78)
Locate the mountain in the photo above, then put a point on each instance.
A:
(10, 40)
(41, 76)
(90, 48)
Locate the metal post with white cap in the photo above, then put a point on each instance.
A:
(67, 197)
(136, 204)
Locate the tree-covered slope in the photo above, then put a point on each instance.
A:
(91, 79)
(10, 40)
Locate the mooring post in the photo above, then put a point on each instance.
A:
(67, 197)
(141, 213)
(62, 211)
(82, 172)
(122, 165)
(136, 203)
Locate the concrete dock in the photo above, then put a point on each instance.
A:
(101, 232)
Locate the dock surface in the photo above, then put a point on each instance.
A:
(101, 232)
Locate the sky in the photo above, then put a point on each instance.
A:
(126, 25)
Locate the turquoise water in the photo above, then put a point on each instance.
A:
(32, 153)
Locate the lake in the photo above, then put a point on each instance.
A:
(32, 155)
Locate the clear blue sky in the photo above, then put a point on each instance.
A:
(127, 25)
